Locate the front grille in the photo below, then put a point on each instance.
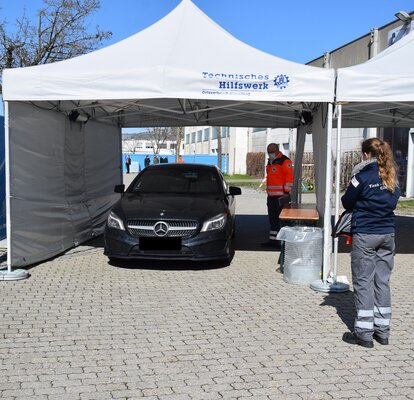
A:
(177, 228)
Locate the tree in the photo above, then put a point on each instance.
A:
(179, 133)
(159, 135)
(60, 32)
(219, 147)
(129, 145)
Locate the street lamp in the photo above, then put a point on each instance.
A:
(403, 16)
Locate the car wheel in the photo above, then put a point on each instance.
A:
(229, 258)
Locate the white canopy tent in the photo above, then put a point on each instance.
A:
(183, 70)
(387, 77)
(380, 91)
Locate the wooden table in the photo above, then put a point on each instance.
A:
(299, 212)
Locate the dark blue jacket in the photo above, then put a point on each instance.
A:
(373, 205)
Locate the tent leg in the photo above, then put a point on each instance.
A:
(337, 192)
(323, 285)
(18, 274)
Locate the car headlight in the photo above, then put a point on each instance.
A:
(115, 222)
(217, 222)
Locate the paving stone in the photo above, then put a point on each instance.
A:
(80, 328)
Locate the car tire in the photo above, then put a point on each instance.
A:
(229, 258)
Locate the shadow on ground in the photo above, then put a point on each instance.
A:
(166, 265)
(251, 231)
(163, 265)
(403, 238)
(344, 304)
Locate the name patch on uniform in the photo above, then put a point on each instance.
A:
(354, 181)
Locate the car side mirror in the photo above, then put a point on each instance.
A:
(119, 189)
(234, 191)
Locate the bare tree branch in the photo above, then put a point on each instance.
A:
(59, 32)
(219, 147)
(179, 134)
(159, 135)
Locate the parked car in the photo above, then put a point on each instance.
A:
(173, 211)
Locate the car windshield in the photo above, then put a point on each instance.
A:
(177, 180)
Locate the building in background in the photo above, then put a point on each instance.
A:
(139, 144)
(205, 140)
(236, 143)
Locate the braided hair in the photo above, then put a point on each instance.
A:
(386, 166)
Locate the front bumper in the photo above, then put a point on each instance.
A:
(211, 245)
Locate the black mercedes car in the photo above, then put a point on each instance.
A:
(175, 212)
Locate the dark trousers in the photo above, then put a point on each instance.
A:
(127, 168)
(273, 211)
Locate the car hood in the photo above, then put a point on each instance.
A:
(169, 207)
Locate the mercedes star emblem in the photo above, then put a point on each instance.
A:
(161, 228)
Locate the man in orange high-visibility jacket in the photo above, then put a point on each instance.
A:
(279, 181)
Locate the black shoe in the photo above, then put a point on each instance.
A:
(271, 243)
(351, 338)
(380, 340)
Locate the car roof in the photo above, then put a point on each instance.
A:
(193, 166)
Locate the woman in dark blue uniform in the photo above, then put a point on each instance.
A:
(372, 195)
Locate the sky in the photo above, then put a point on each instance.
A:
(297, 30)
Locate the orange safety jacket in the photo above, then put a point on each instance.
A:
(279, 176)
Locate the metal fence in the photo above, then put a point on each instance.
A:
(348, 160)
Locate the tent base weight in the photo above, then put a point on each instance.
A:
(321, 286)
(15, 275)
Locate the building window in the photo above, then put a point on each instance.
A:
(163, 145)
(187, 138)
(193, 136)
(255, 130)
(206, 134)
(139, 145)
(214, 135)
(199, 136)
(173, 146)
(225, 132)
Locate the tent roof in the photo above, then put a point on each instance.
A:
(380, 91)
(170, 71)
(389, 76)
